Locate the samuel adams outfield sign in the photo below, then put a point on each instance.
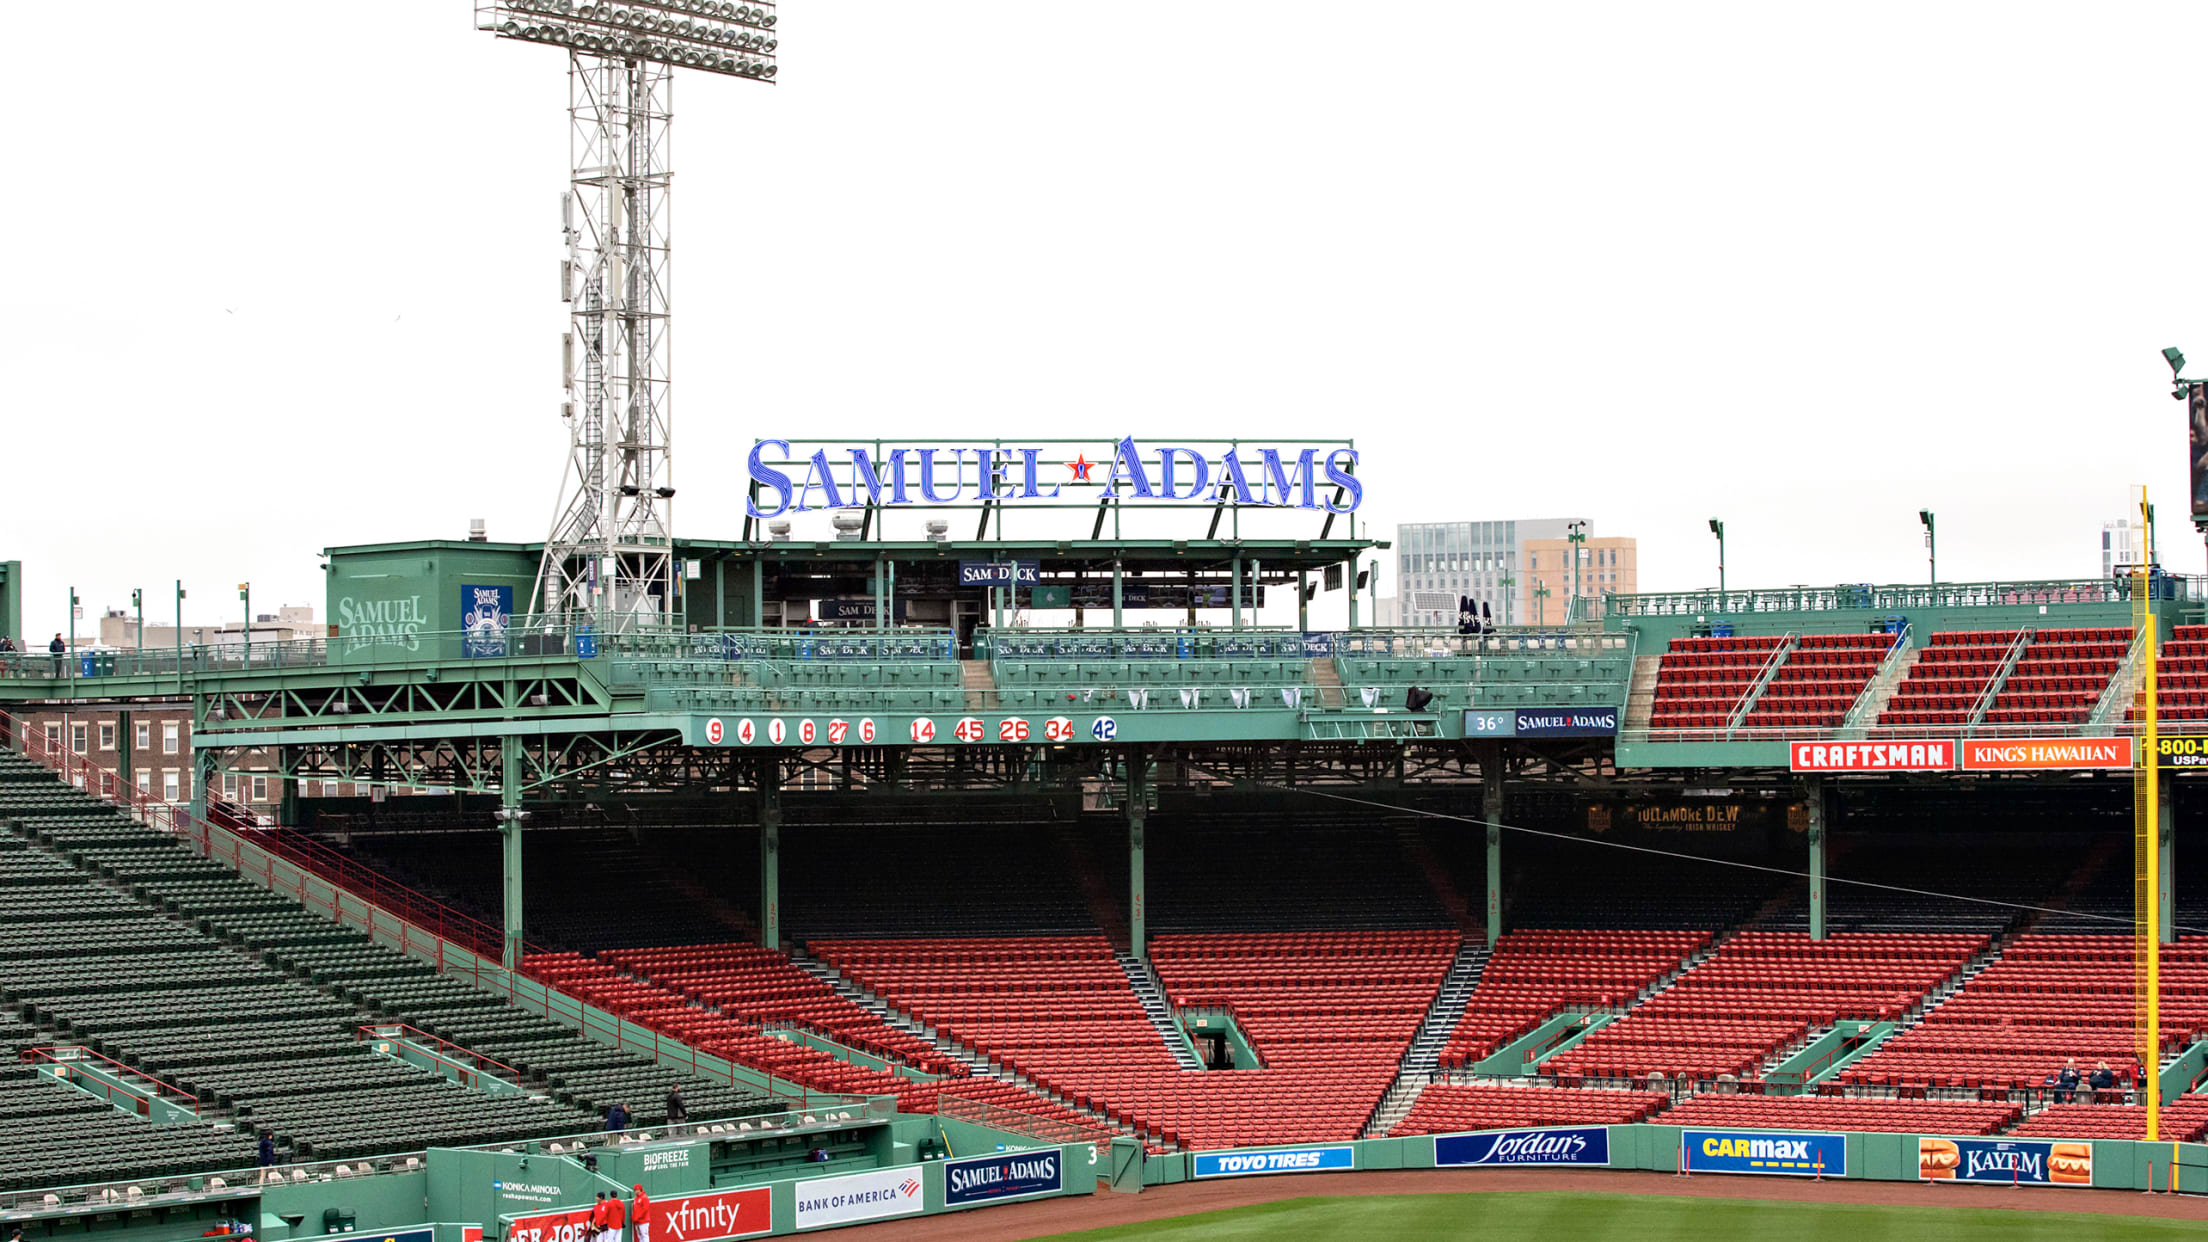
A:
(1007, 474)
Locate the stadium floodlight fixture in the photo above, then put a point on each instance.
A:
(735, 40)
(2176, 358)
(1931, 548)
(609, 554)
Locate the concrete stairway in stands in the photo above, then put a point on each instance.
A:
(1640, 693)
(1328, 680)
(980, 684)
(982, 1066)
(1423, 1057)
(1151, 993)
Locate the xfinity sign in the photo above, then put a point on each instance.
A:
(1006, 474)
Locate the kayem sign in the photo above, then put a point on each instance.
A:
(1296, 1160)
(1987, 754)
(1918, 755)
(2005, 1162)
(876, 1195)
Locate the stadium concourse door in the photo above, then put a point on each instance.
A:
(966, 615)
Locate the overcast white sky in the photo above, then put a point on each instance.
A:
(285, 272)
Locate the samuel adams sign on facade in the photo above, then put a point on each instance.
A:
(1288, 478)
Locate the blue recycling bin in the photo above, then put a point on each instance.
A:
(586, 643)
(1721, 629)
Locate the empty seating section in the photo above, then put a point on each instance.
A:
(2049, 998)
(1446, 1107)
(2183, 1120)
(185, 972)
(1821, 679)
(2060, 677)
(818, 685)
(886, 879)
(1533, 975)
(1566, 676)
(1329, 1014)
(1700, 681)
(1030, 683)
(1807, 1112)
(1951, 674)
(1762, 991)
(2181, 676)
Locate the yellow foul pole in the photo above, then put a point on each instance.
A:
(2147, 848)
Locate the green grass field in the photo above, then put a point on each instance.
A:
(1561, 1217)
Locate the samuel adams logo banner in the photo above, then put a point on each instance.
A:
(1004, 1175)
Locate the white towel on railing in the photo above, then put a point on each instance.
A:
(1291, 696)
(1190, 696)
(1240, 695)
(1137, 697)
(1371, 695)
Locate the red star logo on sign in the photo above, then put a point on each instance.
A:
(1081, 466)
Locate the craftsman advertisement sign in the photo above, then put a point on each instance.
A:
(1917, 755)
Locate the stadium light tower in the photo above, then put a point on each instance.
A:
(1717, 528)
(610, 554)
(1931, 548)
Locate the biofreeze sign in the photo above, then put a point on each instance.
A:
(1920, 755)
(1293, 1160)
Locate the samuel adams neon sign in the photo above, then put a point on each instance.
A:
(919, 476)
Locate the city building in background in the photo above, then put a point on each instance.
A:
(2123, 546)
(119, 630)
(1606, 564)
(1519, 569)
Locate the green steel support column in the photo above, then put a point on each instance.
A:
(770, 853)
(1138, 932)
(889, 596)
(1351, 583)
(125, 752)
(758, 591)
(1491, 810)
(203, 778)
(287, 791)
(1119, 582)
(1303, 606)
(720, 593)
(1816, 834)
(2166, 831)
(509, 840)
(1234, 596)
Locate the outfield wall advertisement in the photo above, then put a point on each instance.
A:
(877, 1194)
(1290, 1160)
(2006, 1162)
(1002, 1175)
(1568, 1145)
(1769, 1152)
